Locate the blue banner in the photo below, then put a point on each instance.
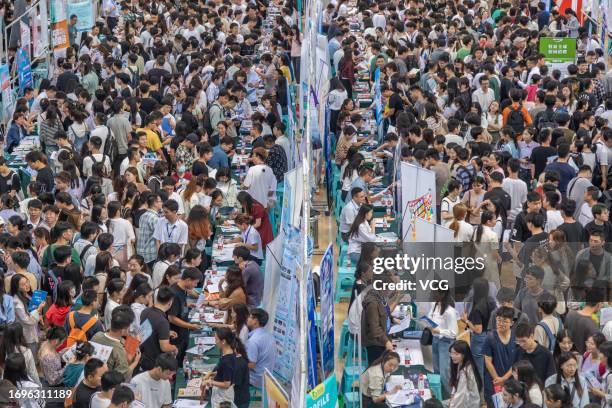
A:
(85, 14)
(327, 311)
(312, 335)
(378, 96)
(325, 395)
(24, 70)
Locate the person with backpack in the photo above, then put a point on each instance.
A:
(81, 325)
(97, 156)
(550, 327)
(546, 118)
(516, 115)
(120, 128)
(85, 244)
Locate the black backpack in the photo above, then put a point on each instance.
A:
(516, 120)
(111, 148)
(546, 121)
(206, 123)
(135, 81)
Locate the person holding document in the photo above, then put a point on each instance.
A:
(375, 377)
(444, 331)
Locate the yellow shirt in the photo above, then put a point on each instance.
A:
(153, 142)
(286, 73)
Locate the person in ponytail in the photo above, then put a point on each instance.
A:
(373, 380)
(241, 376)
(557, 396)
(515, 393)
(221, 380)
(463, 230)
(450, 200)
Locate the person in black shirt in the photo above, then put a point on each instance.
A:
(199, 166)
(535, 224)
(221, 379)
(539, 155)
(600, 223)
(147, 103)
(92, 379)
(159, 340)
(9, 180)
(529, 349)
(178, 314)
(497, 194)
(534, 206)
(38, 161)
(395, 104)
(574, 233)
(241, 376)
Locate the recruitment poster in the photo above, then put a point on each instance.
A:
(24, 70)
(59, 25)
(327, 311)
(325, 395)
(273, 395)
(85, 14)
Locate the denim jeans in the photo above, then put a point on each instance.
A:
(354, 257)
(441, 361)
(476, 342)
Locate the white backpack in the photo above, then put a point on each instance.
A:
(354, 314)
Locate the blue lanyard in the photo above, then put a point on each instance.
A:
(248, 231)
(169, 231)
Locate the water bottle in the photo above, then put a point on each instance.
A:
(421, 384)
(385, 225)
(214, 267)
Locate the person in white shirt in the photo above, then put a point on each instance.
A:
(123, 231)
(170, 228)
(553, 215)
(444, 315)
(361, 231)
(515, 187)
(109, 381)
(96, 156)
(453, 136)
(260, 181)
(464, 232)
(350, 210)
(484, 95)
(249, 236)
(154, 385)
(100, 130)
(590, 199)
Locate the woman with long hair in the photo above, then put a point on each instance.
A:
(191, 193)
(51, 124)
(74, 369)
(137, 267)
(465, 382)
(49, 358)
(449, 201)
(473, 199)
(13, 341)
(56, 314)
(346, 71)
(138, 300)
(221, 380)
(524, 372)
(569, 376)
(486, 242)
(362, 230)
(261, 219)
(374, 378)
(442, 312)
(561, 256)
(200, 229)
(463, 232)
(235, 290)
(7, 306)
(22, 295)
(168, 253)
(16, 372)
(171, 276)
(336, 97)
(477, 319)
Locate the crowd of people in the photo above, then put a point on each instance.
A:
(156, 126)
(521, 151)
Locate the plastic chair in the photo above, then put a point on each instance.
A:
(435, 385)
(351, 399)
(349, 376)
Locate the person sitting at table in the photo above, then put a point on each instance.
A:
(17, 131)
(228, 186)
(253, 278)
(235, 290)
(366, 176)
(261, 354)
(375, 377)
(249, 237)
(349, 212)
(465, 381)
(362, 230)
(350, 171)
(261, 219)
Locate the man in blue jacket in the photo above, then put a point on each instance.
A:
(16, 132)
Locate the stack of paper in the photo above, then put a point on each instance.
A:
(185, 403)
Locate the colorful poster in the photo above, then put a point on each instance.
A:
(24, 70)
(85, 14)
(378, 96)
(26, 40)
(418, 200)
(327, 311)
(59, 25)
(7, 92)
(325, 395)
(273, 394)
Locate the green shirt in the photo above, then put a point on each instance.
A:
(462, 53)
(48, 258)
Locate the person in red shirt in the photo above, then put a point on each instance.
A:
(56, 315)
